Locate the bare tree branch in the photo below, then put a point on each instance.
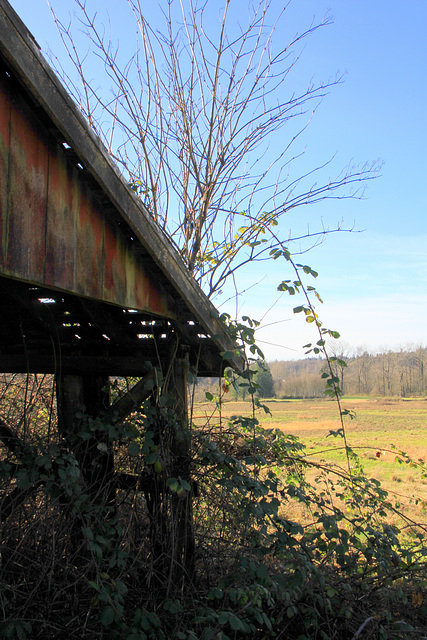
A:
(194, 119)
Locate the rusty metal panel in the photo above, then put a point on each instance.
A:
(115, 264)
(125, 275)
(61, 223)
(5, 110)
(54, 229)
(138, 285)
(27, 194)
(89, 247)
(151, 297)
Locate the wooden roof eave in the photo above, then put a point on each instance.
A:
(22, 53)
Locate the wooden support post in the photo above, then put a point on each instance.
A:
(170, 511)
(181, 504)
(87, 396)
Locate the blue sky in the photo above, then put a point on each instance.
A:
(374, 284)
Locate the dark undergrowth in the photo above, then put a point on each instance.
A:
(75, 564)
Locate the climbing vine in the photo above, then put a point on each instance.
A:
(246, 536)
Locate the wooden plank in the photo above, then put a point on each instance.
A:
(127, 274)
(89, 247)
(27, 192)
(61, 224)
(5, 111)
(115, 264)
(77, 364)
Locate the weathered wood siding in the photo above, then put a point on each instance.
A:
(54, 230)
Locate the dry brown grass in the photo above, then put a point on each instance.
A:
(382, 427)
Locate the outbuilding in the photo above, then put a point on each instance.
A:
(90, 286)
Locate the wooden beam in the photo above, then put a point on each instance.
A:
(141, 391)
(92, 365)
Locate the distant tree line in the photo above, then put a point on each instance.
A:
(392, 373)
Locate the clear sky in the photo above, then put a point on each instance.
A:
(374, 284)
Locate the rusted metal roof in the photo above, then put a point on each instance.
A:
(69, 224)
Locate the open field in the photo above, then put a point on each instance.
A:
(380, 425)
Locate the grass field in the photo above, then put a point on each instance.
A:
(380, 424)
